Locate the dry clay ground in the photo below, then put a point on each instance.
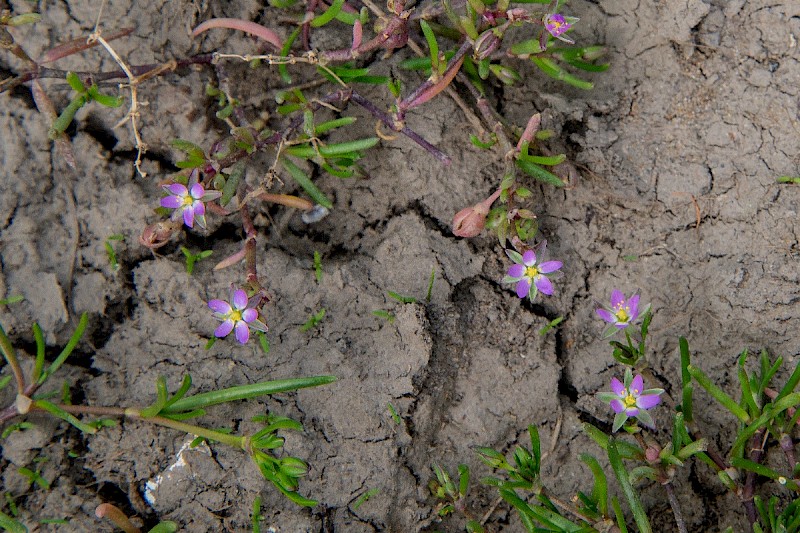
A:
(679, 147)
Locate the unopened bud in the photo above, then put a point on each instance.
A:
(486, 44)
(469, 222)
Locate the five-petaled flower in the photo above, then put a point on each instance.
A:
(529, 271)
(556, 25)
(188, 200)
(628, 399)
(622, 311)
(239, 315)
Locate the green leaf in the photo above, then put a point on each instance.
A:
(600, 489)
(243, 392)
(71, 344)
(328, 15)
(639, 515)
(433, 46)
(307, 151)
(400, 298)
(231, 184)
(75, 82)
(549, 67)
(325, 127)
(526, 48)
(63, 121)
(539, 173)
(306, 184)
(63, 415)
(161, 399)
(544, 160)
(718, 394)
(104, 99)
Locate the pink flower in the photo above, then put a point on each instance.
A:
(239, 317)
(629, 400)
(529, 271)
(556, 25)
(188, 200)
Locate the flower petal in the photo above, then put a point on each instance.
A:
(199, 208)
(529, 258)
(523, 287)
(219, 306)
(632, 411)
(648, 401)
(617, 298)
(605, 315)
(239, 299)
(248, 315)
(633, 304)
(178, 189)
(637, 385)
(544, 285)
(242, 332)
(173, 202)
(188, 216)
(223, 329)
(197, 191)
(550, 266)
(617, 387)
(516, 271)
(617, 406)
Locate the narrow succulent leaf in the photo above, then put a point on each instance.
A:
(54, 410)
(600, 489)
(71, 344)
(306, 184)
(433, 46)
(328, 15)
(718, 394)
(161, 399)
(539, 173)
(549, 67)
(639, 515)
(791, 383)
(244, 392)
(623, 528)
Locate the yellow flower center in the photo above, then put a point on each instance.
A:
(629, 401)
(235, 315)
(531, 272)
(188, 200)
(622, 312)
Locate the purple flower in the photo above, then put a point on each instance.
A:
(529, 271)
(241, 316)
(629, 400)
(556, 25)
(622, 312)
(188, 200)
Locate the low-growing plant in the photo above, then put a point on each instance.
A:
(176, 411)
(767, 417)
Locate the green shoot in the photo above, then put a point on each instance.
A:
(191, 258)
(313, 320)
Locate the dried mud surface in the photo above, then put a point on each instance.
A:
(679, 144)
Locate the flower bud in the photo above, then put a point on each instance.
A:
(485, 45)
(469, 222)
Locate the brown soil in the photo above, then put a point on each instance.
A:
(679, 147)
